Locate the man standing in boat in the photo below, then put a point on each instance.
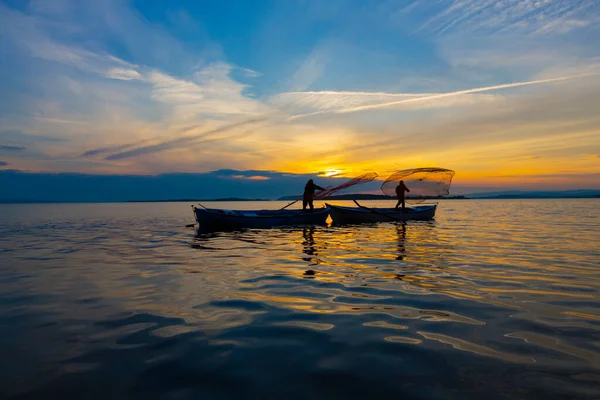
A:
(309, 194)
(400, 189)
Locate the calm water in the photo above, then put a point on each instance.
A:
(493, 299)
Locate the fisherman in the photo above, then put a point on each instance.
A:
(309, 194)
(400, 189)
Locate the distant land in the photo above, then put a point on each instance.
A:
(518, 194)
(365, 196)
(195, 200)
(512, 194)
(566, 194)
(219, 185)
(226, 199)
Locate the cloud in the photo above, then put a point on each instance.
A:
(124, 74)
(429, 97)
(30, 33)
(251, 73)
(11, 148)
(174, 91)
(103, 150)
(211, 91)
(18, 138)
(118, 148)
(61, 121)
(541, 129)
(524, 16)
(184, 141)
(251, 178)
(102, 64)
(311, 69)
(100, 105)
(3, 163)
(331, 101)
(167, 103)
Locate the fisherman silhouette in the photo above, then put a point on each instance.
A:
(309, 194)
(400, 189)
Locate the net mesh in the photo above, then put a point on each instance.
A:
(359, 180)
(422, 182)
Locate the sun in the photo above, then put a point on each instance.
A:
(331, 172)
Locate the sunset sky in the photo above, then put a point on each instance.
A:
(506, 93)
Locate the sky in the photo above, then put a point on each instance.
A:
(506, 93)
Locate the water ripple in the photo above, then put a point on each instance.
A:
(494, 299)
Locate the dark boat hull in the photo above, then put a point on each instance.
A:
(353, 215)
(218, 218)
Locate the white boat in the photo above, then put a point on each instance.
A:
(218, 218)
(350, 215)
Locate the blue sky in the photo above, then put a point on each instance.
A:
(507, 93)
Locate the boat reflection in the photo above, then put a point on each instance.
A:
(308, 245)
(202, 237)
(401, 232)
(203, 232)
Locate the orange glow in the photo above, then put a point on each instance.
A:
(251, 178)
(332, 172)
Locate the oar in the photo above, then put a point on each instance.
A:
(192, 225)
(293, 202)
(375, 212)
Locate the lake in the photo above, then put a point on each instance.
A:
(494, 299)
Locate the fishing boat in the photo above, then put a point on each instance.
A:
(420, 183)
(216, 218)
(220, 218)
(353, 215)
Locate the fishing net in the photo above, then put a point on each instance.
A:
(423, 183)
(359, 180)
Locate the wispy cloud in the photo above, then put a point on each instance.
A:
(11, 148)
(61, 121)
(3, 163)
(331, 101)
(251, 177)
(429, 97)
(251, 73)
(28, 33)
(311, 69)
(125, 74)
(211, 91)
(525, 16)
(22, 140)
(184, 141)
(104, 150)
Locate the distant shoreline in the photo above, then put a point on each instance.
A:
(194, 200)
(499, 197)
(376, 197)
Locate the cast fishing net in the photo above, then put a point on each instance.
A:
(423, 183)
(359, 180)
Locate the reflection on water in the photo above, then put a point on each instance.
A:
(492, 299)
(308, 244)
(401, 232)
